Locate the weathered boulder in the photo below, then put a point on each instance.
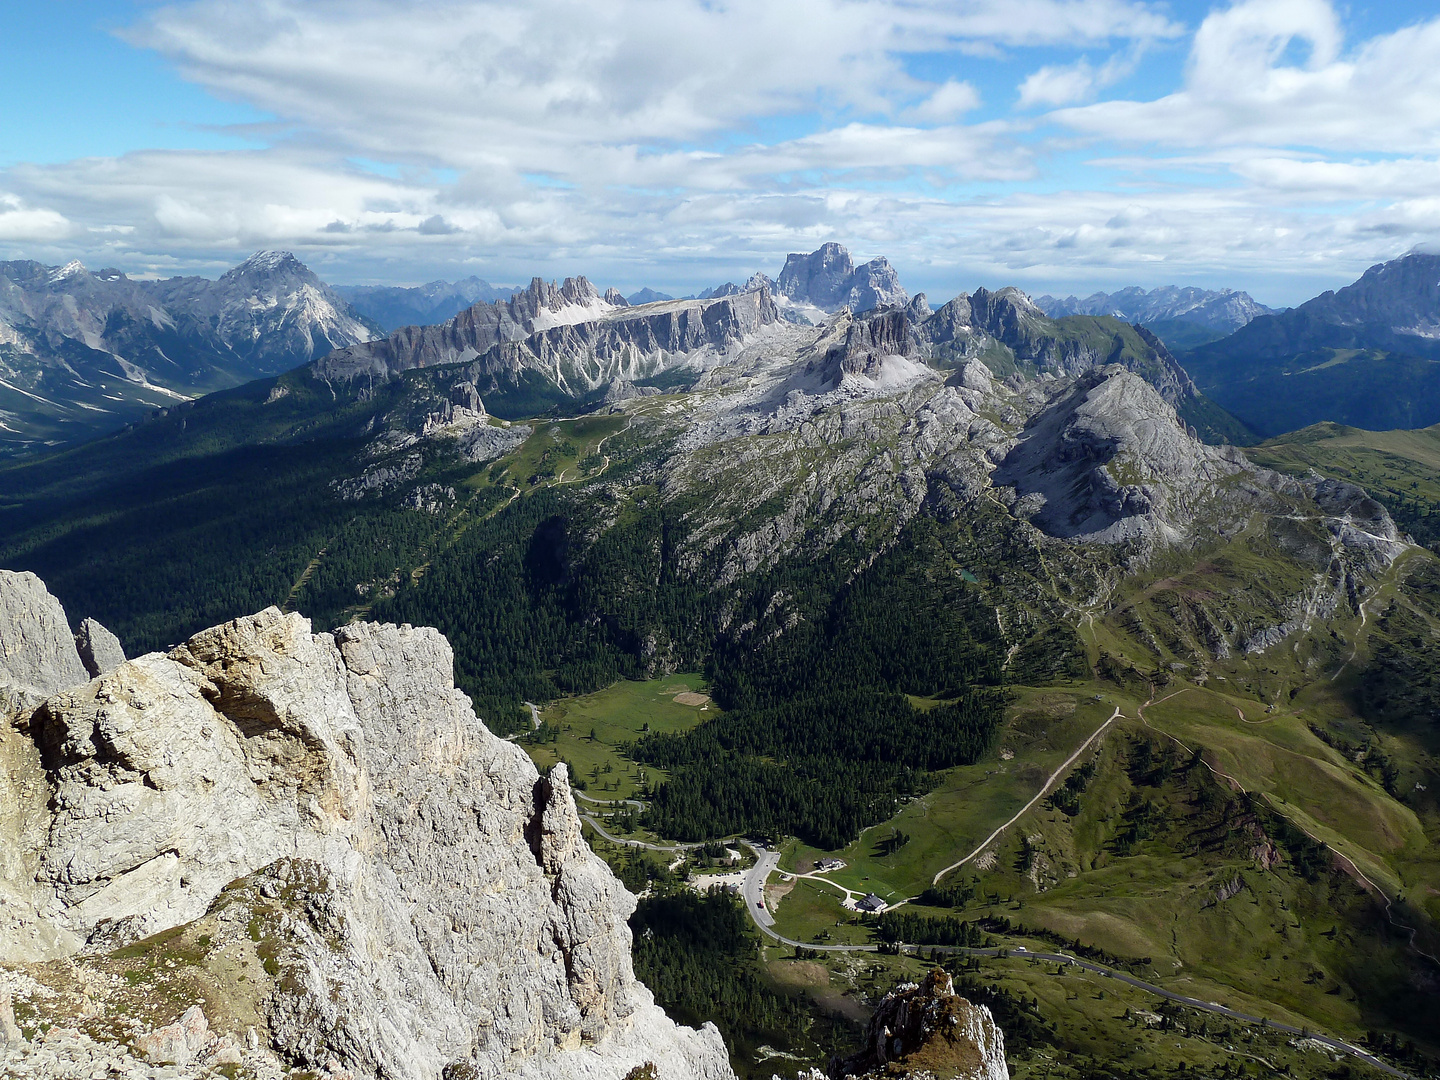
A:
(177, 1043)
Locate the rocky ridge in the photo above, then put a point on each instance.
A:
(569, 337)
(325, 816)
(847, 431)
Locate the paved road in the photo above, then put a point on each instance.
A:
(636, 803)
(596, 824)
(753, 889)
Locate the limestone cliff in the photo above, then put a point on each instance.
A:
(569, 336)
(356, 875)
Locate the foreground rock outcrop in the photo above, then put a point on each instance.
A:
(312, 838)
(38, 654)
(926, 1031)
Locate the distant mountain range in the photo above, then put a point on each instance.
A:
(566, 346)
(82, 353)
(392, 306)
(647, 296)
(1367, 355)
(1182, 317)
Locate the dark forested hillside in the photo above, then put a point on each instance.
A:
(820, 740)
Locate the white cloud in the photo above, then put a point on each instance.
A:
(1242, 87)
(462, 83)
(950, 101)
(21, 223)
(1066, 84)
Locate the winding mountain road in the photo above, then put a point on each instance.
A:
(767, 861)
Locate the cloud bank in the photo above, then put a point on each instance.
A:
(677, 143)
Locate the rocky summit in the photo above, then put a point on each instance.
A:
(322, 854)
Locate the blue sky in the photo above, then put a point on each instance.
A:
(1279, 146)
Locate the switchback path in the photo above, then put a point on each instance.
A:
(638, 805)
(1117, 715)
(599, 828)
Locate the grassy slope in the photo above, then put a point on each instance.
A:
(1318, 952)
(617, 716)
(1401, 468)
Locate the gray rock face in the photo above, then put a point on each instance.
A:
(100, 650)
(973, 325)
(925, 1030)
(37, 650)
(829, 279)
(1110, 461)
(431, 898)
(869, 339)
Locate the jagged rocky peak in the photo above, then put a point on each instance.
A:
(100, 650)
(362, 879)
(37, 650)
(827, 278)
(545, 296)
(1007, 314)
(38, 653)
(881, 346)
(268, 264)
(926, 1030)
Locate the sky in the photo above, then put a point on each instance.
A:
(1065, 146)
